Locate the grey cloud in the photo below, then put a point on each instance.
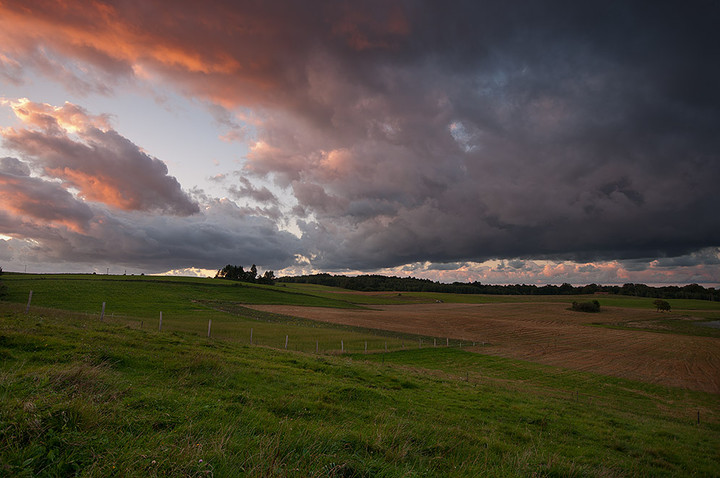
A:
(516, 264)
(14, 166)
(448, 266)
(11, 71)
(222, 234)
(707, 257)
(218, 178)
(247, 189)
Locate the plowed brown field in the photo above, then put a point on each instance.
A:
(548, 333)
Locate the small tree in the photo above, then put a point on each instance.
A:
(662, 305)
(3, 287)
(267, 278)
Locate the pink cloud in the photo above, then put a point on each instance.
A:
(238, 54)
(88, 156)
(33, 201)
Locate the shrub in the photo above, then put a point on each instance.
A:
(589, 306)
(662, 305)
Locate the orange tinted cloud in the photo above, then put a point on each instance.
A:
(69, 117)
(68, 144)
(230, 53)
(41, 202)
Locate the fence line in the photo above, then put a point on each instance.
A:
(303, 343)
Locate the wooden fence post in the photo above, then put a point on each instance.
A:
(251, 331)
(160, 323)
(102, 313)
(209, 325)
(317, 346)
(366, 346)
(27, 309)
(286, 341)
(342, 346)
(447, 341)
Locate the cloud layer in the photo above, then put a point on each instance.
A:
(406, 132)
(86, 195)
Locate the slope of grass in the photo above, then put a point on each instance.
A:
(83, 398)
(144, 296)
(189, 304)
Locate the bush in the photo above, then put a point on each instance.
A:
(589, 306)
(662, 305)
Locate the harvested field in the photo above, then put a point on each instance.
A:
(548, 333)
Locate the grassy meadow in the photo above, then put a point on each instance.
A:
(187, 304)
(81, 397)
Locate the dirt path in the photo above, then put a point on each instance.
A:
(548, 333)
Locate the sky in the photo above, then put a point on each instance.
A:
(492, 141)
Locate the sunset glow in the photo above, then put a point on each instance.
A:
(486, 142)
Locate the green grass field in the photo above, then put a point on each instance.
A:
(80, 397)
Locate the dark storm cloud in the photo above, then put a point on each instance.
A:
(427, 131)
(589, 136)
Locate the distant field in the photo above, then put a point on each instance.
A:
(397, 298)
(622, 342)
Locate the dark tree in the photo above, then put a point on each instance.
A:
(237, 273)
(267, 278)
(231, 272)
(412, 284)
(662, 305)
(3, 287)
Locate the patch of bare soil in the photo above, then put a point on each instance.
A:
(548, 333)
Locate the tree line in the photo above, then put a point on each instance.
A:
(411, 284)
(237, 273)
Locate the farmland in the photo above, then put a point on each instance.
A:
(624, 342)
(120, 397)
